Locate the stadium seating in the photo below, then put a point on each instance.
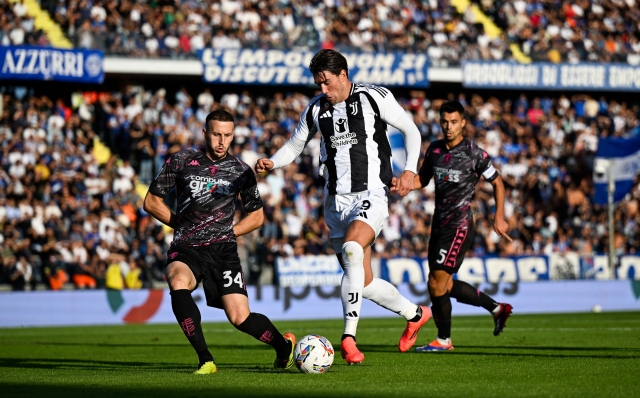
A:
(449, 32)
(69, 208)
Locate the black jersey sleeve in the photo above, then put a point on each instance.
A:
(166, 179)
(426, 170)
(483, 165)
(249, 194)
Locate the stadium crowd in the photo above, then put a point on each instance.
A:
(67, 218)
(546, 30)
(571, 31)
(17, 28)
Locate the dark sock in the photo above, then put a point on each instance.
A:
(467, 294)
(418, 315)
(261, 328)
(344, 336)
(441, 308)
(188, 316)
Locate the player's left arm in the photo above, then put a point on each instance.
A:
(499, 224)
(485, 167)
(252, 203)
(393, 114)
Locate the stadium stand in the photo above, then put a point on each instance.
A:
(564, 31)
(71, 214)
(19, 27)
(449, 32)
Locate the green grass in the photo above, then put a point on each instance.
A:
(576, 355)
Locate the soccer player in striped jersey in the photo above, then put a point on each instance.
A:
(456, 163)
(356, 166)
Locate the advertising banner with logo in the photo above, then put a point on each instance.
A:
(325, 270)
(40, 63)
(280, 67)
(102, 307)
(547, 76)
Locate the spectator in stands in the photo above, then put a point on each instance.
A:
(54, 195)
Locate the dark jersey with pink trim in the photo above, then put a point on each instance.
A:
(456, 172)
(207, 193)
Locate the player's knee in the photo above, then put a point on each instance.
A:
(352, 253)
(237, 318)
(436, 288)
(179, 281)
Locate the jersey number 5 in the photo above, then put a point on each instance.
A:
(443, 256)
(228, 280)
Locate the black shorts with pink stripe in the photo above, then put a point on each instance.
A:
(447, 248)
(217, 266)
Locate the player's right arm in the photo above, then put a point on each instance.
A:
(159, 188)
(291, 149)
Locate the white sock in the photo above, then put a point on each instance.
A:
(446, 341)
(387, 296)
(352, 285)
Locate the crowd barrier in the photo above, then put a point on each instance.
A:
(282, 67)
(113, 307)
(548, 76)
(325, 270)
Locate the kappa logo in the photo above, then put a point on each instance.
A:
(194, 163)
(173, 255)
(325, 115)
(341, 125)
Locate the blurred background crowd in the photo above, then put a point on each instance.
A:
(74, 171)
(544, 30)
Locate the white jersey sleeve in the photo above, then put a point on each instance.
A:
(393, 114)
(304, 132)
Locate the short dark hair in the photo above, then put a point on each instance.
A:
(328, 61)
(451, 107)
(220, 116)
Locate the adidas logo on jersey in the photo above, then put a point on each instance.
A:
(324, 115)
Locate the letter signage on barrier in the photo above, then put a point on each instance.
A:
(104, 307)
(325, 270)
(40, 63)
(584, 76)
(278, 67)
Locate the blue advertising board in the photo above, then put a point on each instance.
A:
(279, 67)
(325, 270)
(42, 63)
(547, 76)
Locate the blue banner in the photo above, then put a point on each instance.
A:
(40, 63)
(547, 76)
(622, 156)
(325, 270)
(278, 67)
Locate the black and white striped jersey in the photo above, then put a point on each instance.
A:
(355, 154)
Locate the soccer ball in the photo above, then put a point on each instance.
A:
(313, 354)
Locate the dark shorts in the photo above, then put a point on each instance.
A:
(447, 248)
(217, 266)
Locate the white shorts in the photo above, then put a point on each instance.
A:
(372, 207)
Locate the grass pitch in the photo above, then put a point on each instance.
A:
(576, 355)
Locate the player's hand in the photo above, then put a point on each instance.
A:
(263, 166)
(501, 227)
(394, 184)
(403, 184)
